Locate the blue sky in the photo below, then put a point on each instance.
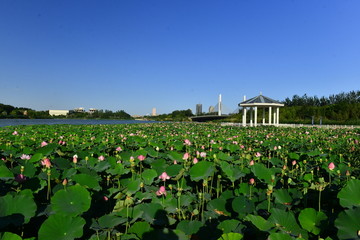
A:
(134, 55)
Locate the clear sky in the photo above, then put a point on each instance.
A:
(134, 55)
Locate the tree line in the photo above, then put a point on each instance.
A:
(8, 111)
(342, 108)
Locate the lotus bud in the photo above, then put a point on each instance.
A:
(65, 182)
(22, 169)
(128, 201)
(141, 184)
(347, 173)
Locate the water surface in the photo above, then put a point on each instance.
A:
(16, 122)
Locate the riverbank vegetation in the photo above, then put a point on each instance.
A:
(178, 181)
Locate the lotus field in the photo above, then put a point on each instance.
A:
(178, 181)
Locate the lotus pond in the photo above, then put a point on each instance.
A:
(178, 181)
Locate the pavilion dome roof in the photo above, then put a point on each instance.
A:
(261, 100)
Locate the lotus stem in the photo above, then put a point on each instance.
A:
(48, 184)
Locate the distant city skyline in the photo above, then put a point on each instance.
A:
(136, 55)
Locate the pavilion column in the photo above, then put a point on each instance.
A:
(274, 116)
(269, 115)
(244, 117)
(255, 116)
(251, 116)
(263, 118)
(277, 116)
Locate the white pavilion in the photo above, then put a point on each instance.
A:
(264, 103)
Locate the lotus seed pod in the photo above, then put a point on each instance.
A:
(289, 180)
(141, 184)
(22, 169)
(321, 180)
(86, 158)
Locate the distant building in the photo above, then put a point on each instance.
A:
(79, 110)
(211, 109)
(58, 112)
(153, 113)
(198, 109)
(92, 110)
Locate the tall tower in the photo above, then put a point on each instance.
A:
(219, 106)
(153, 113)
(198, 109)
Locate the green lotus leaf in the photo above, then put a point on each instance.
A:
(228, 226)
(154, 214)
(286, 222)
(46, 150)
(242, 205)
(133, 186)
(71, 201)
(159, 165)
(101, 166)
(5, 173)
(9, 236)
(282, 196)
(22, 203)
(280, 236)
(233, 173)
(218, 205)
(119, 169)
(294, 156)
(201, 170)
(224, 156)
(61, 227)
(110, 221)
(261, 172)
(310, 220)
(87, 181)
(152, 152)
(148, 176)
(36, 157)
(348, 224)
(260, 222)
(189, 227)
(139, 228)
(174, 169)
(231, 236)
(350, 195)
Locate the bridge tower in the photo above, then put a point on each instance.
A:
(219, 106)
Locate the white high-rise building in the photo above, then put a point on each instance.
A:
(153, 112)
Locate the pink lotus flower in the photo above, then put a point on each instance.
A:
(257, 154)
(275, 148)
(175, 162)
(101, 158)
(106, 198)
(186, 156)
(119, 149)
(141, 158)
(331, 166)
(203, 154)
(293, 162)
(195, 161)
(75, 158)
(242, 146)
(161, 191)
(43, 144)
(251, 163)
(187, 142)
(251, 181)
(25, 157)
(164, 176)
(46, 162)
(15, 133)
(20, 178)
